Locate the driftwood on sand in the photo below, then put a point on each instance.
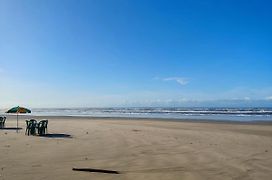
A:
(96, 170)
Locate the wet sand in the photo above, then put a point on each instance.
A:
(138, 149)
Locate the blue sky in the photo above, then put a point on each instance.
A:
(135, 53)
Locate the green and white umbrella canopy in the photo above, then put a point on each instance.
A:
(18, 110)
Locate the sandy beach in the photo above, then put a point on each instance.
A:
(138, 149)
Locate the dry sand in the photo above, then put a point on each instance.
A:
(139, 149)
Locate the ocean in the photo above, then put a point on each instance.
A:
(224, 114)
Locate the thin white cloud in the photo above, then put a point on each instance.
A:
(180, 80)
(247, 98)
(269, 98)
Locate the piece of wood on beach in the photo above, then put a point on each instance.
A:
(96, 170)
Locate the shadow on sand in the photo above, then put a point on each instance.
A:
(11, 128)
(56, 136)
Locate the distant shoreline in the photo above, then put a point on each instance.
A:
(68, 117)
(256, 114)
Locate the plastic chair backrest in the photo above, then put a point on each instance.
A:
(28, 123)
(2, 121)
(44, 123)
(32, 123)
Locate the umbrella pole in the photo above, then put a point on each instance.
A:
(17, 124)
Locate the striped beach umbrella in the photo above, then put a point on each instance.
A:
(18, 110)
